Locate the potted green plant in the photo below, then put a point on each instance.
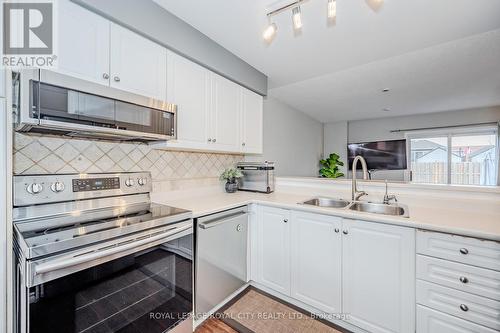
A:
(230, 176)
(330, 166)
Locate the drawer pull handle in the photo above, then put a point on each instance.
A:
(464, 250)
(463, 279)
(464, 307)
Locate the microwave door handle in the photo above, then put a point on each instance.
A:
(216, 222)
(76, 260)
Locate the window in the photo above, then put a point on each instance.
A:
(460, 156)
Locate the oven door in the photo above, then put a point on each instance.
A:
(134, 286)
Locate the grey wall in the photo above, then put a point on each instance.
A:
(336, 138)
(154, 22)
(291, 139)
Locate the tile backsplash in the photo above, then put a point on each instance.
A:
(47, 154)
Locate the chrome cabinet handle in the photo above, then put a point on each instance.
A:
(116, 78)
(213, 140)
(209, 140)
(464, 250)
(463, 279)
(337, 230)
(345, 232)
(285, 220)
(105, 76)
(464, 307)
(243, 144)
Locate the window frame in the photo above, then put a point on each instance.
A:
(449, 133)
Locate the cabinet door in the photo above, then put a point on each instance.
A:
(226, 109)
(137, 64)
(273, 249)
(316, 246)
(251, 122)
(83, 50)
(378, 262)
(188, 87)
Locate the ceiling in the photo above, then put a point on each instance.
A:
(432, 55)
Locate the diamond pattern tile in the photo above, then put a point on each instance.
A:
(39, 154)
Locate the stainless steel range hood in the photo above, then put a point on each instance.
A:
(50, 102)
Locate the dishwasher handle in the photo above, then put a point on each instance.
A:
(216, 222)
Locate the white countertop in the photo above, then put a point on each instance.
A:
(476, 219)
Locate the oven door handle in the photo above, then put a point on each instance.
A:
(79, 259)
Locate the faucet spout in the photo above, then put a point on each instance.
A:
(355, 193)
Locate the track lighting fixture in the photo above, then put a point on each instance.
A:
(331, 12)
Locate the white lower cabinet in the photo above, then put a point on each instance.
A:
(432, 321)
(316, 260)
(272, 255)
(378, 276)
(364, 270)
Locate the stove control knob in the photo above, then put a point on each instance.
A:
(34, 188)
(142, 181)
(57, 187)
(130, 182)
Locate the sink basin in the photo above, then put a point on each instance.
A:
(327, 202)
(378, 208)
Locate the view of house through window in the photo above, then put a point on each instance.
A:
(455, 158)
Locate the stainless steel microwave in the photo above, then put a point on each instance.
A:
(50, 102)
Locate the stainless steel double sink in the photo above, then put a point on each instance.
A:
(360, 206)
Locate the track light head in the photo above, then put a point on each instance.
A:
(270, 32)
(332, 9)
(296, 18)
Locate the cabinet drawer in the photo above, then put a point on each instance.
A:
(480, 310)
(471, 279)
(467, 250)
(432, 321)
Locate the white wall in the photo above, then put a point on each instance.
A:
(336, 141)
(5, 202)
(291, 139)
(336, 138)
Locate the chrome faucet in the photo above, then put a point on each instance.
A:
(388, 198)
(355, 193)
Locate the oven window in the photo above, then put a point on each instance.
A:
(146, 292)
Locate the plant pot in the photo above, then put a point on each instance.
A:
(231, 186)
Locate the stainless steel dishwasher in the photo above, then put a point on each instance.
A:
(221, 257)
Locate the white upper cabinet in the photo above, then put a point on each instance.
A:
(251, 122)
(316, 260)
(272, 238)
(226, 109)
(379, 276)
(137, 64)
(94, 49)
(83, 43)
(188, 86)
